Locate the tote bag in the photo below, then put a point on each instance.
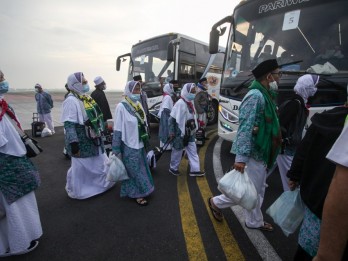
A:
(238, 187)
(287, 211)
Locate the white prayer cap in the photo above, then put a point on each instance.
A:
(98, 80)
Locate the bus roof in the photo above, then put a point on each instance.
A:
(178, 35)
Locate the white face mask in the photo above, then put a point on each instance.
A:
(273, 86)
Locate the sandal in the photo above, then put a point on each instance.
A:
(141, 201)
(266, 227)
(217, 214)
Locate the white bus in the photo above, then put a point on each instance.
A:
(173, 56)
(313, 31)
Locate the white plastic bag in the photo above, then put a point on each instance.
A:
(46, 132)
(117, 171)
(238, 187)
(287, 211)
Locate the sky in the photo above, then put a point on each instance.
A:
(44, 41)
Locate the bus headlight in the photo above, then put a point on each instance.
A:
(228, 115)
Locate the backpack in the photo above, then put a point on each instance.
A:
(293, 134)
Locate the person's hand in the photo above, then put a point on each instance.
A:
(239, 166)
(293, 184)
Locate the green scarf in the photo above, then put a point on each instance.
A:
(268, 138)
(94, 114)
(140, 115)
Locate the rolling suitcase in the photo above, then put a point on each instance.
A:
(37, 126)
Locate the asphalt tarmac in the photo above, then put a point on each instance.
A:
(176, 225)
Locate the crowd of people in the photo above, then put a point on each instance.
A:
(267, 136)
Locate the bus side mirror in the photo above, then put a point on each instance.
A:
(170, 52)
(214, 41)
(118, 64)
(121, 58)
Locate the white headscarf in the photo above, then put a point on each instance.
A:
(128, 89)
(305, 86)
(168, 88)
(186, 90)
(75, 82)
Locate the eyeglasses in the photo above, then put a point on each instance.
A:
(280, 74)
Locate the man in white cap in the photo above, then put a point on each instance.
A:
(44, 104)
(100, 98)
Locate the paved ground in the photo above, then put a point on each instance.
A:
(176, 225)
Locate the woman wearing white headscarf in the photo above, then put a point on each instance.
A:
(293, 116)
(129, 142)
(182, 128)
(83, 124)
(20, 225)
(164, 114)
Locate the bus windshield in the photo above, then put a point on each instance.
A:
(315, 32)
(150, 59)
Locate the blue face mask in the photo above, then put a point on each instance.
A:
(85, 88)
(191, 96)
(135, 97)
(4, 87)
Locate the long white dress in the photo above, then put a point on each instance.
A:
(19, 221)
(87, 175)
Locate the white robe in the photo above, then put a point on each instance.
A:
(19, 221)
(87, 176)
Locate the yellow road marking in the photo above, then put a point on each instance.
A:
(226, 238)
(193, 238)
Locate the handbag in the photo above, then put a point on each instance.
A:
(287, 211)
(31, 145)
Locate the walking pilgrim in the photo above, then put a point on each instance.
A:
(129, 142)
(81, 115)
(164, 114)
(20, 225)
(182, 128)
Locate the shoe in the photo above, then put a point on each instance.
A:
(197, 173)
(174, 172)
(141, 201)
(266, 227)
(217, 214)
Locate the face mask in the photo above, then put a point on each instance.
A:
(104, 87)
(135, 97)
(85, 88)
(4, 87)
(273, 86)
(191, 96)
(36, 90)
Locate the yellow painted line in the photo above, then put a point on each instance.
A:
(224, 234)
(194, 243)
(193, 238)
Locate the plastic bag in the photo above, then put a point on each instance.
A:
(287, 211)
(46, 132)
(117, 171)
(238, 187)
